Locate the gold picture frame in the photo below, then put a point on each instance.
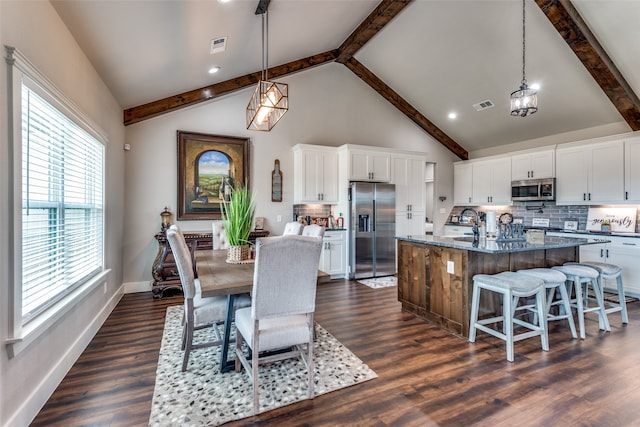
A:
(209, 166)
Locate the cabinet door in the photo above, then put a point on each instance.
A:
(501, 181)
(312, 171)
(370, 166)
(329, 186)
(408, 176)
(632, 171)
(626, 256)
(462, 183)
(572, 175)
(606, 180)
(542, 164)
(521, 167)
(410, 223)
(333, 256)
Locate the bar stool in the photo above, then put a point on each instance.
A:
(583, 276)
(609, 272)
(553, 280)
(512, 286)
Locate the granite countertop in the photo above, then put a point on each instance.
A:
(495, 247)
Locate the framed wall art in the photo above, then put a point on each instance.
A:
(209, 167)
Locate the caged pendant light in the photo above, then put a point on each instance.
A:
(524, 101)
(270, 100)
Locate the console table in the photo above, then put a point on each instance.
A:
(164, 270)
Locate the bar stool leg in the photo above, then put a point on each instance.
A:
(602, 314)
(567, 308)
(622, 298)
(542, 319)
(507, 323)
(474, 313)
(580, 307)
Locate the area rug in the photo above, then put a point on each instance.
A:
(380, 282)
(203, 396)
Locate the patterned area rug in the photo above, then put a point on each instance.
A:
(204, 397)
(380, 282)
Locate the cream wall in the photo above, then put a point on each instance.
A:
(27, 380)
(329, 105)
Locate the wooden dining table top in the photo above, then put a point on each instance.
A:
(219, 278)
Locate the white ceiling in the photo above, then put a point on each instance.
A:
(439, 55)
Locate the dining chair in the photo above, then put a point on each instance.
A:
(292, 228)
(313, 230)
(199, 312)
(283, 301)
(218, 236)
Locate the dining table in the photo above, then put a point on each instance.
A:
(219, 278)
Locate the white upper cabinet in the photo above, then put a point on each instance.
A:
(590, 174)
(492, 182)
(539, 164)
(408, 176)
(315, 174)
(369, 166)
(632, 170)
(462, 183)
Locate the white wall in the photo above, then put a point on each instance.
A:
(27, 380)
(329, 105)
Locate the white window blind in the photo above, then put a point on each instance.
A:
(62, 204)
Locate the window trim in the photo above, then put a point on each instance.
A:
(19, 68)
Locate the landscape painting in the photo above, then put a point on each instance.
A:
(209, 168)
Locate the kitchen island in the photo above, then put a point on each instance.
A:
(435, 274)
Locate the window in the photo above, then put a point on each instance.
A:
(62, 205)
(58, 203)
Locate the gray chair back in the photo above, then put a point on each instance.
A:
(313, 230)
(285, 276)
(219, 237)
(182, 256)
(292, 228)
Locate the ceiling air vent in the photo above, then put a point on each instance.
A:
(483, 105)
(218, 45)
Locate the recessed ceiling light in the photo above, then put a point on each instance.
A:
(214, 70)
(452, 115)
(224, 1)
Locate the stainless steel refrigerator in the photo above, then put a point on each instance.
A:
(372, 229)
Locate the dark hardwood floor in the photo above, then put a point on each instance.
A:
(426, 376)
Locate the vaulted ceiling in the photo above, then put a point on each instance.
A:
(426, 57)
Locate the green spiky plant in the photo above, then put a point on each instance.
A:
(238, 215)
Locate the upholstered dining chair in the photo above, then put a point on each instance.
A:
(218, 236)
(283, 301)
(294, 228)
(199, 312)
(313, 230)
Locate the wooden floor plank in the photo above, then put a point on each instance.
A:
(426, 376)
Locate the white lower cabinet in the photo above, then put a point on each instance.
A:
(621, 251)
(410, 223)
(333, 259)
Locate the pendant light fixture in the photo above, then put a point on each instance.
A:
(270, 100)
(524, 101)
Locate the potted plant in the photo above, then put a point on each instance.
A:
(237, 217)
(605, 225)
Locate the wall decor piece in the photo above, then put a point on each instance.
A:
(620, 219)
(209, 167)
(276, 182)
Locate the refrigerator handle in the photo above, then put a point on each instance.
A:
(374, 216)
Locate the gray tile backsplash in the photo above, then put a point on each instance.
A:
(556, 214)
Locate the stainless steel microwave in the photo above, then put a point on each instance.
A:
(533, 190)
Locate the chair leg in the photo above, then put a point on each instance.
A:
(603, 320)
(474, 313)
(507, 323)
(580, 307)
(623, 300)
(188, 342)
(542, 322)
(567, 308)
(254, 369)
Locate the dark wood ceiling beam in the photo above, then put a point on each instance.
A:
(407, 109)
(381, 16)
(575, 32)
(196, 96)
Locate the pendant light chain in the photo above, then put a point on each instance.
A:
(524, 79)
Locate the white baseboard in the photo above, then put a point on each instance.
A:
(133, 287)
(35, 401)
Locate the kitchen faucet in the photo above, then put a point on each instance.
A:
(476, 232)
